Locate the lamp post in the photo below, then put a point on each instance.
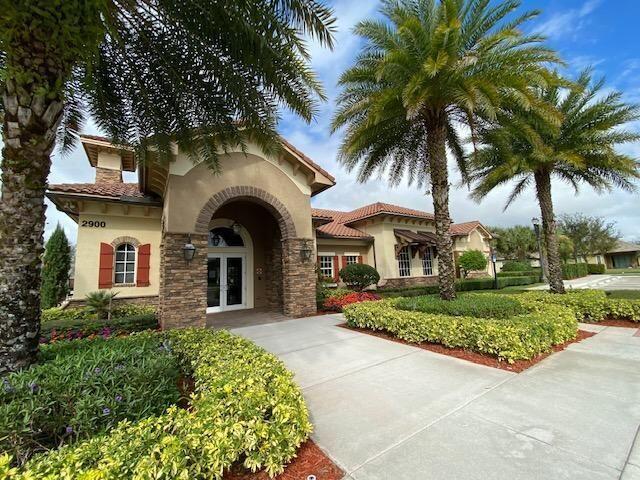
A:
(536, 227)
(494, 257)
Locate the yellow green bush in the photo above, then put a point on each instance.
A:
(245, 408)
(520, 337)
(587, 305)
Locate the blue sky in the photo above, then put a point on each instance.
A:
(600, 33)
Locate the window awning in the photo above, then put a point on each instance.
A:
(419, 241)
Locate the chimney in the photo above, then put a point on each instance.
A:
(108, 168)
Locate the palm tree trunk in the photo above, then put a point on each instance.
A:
(29, 128)
(437, 158)
(554, 266)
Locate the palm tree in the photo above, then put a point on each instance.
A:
(149, 72)
(578, 146)
(433, 66)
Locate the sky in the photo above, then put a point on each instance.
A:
(598, 33)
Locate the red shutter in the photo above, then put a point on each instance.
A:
(344, 261)
(144, 252)
(359, 258)
(105, 273)
(336, 270)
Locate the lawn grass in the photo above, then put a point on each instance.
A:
(622, 271)
(626, 294)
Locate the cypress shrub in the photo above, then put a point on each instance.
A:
(55, 271)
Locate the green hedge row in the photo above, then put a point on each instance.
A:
(528, 273)
(587, 305)
(520, 337)
(246, 408)
(574, 270)
(466, 304)
(596, 268)
(83, 313)
(461, 286)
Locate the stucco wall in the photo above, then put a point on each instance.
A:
(474, 241)
(145, 229)
(189, 190)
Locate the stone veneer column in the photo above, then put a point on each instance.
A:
(183, 286)
(298, 279)
(273, 275)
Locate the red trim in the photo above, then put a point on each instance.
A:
(359, 258)
(336, 272)
(105, 271)
(344, 261)
(144, 254)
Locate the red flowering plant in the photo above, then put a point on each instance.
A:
(338, 303)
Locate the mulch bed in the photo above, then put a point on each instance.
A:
(616, 322)
(310, 461)
(475, 357)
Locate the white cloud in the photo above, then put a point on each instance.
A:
(567, 23)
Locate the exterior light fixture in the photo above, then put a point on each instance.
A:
(306, 252)
(236, 227)
(189, 250)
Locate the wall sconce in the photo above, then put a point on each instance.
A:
(306, 252)
(189, 250)
(236, 227)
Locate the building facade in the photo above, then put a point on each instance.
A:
(195, 243)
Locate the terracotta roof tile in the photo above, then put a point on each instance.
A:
(111, 190)
(465, 228)
(384, 208)
(340, 230)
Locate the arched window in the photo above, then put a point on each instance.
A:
(224, 237)
(125, 266)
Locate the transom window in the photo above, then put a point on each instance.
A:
(427, 262)
(404, 262)
(125, 266)
(326, 266)
(224, 237)
(351, 259)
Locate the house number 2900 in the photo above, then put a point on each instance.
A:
(93, 223)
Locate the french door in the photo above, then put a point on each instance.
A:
(226, 282)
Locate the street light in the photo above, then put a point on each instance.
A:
(536, 227)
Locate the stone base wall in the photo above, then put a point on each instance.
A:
(410, 282)
(298, 279)
(152, 301)
(183, 285)
(273, 276)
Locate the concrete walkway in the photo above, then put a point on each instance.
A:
(601, 282)
(383, 410)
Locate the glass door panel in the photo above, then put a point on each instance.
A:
(213, 282)
(234, 280)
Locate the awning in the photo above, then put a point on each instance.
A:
(418, 241)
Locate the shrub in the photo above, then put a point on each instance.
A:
(574, 270)
(100, 303)
(472, 260)
(528, 273)
(83, 313)
(82, 389)
(595, 268)
(515, 266)
(56, 330)
(245, 408)
(338, 303)
(517, 338)
(55, 269)
(477, 305)
(359, 275)
(461, 286)
(587, 305)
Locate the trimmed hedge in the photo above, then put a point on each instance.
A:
(528, 273)
(83, 389)
(245, 408)
(587, 305)
(70, 329)
(83, 313)
(596, 268)
(517, 338)
(574, 270)
(515, 266)
(461, 286)
(467, 304)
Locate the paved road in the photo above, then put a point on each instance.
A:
(602, 282)
(383, 410)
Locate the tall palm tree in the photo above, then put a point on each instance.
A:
(199, 73)
(577, 147)
(430, 67)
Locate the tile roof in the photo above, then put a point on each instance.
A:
(110, 190)
(622, 247)
(464, 228)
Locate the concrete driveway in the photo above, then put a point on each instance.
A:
(383, 410)
(601, 282)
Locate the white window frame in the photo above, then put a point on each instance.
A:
(323, 259)
(404, 262)
(427, 263)
(351, 258)
(128, 248)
